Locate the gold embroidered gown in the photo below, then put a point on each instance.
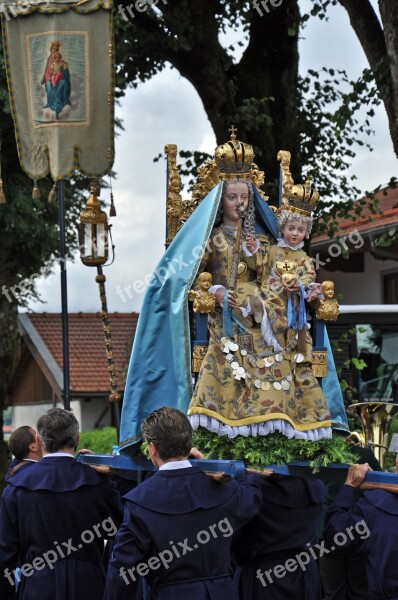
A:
(255, 391)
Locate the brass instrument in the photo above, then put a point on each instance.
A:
(376, 418)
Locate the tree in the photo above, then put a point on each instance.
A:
(258, 92)
(262, 93)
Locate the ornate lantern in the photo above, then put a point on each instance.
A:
(93, 232)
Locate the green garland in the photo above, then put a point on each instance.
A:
(275, 449)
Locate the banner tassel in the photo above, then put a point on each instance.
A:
(36, 192)
(53, 194)
(112, 210)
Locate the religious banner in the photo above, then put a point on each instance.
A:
(59, 60)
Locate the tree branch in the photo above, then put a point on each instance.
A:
(381, 48)
(367, 27)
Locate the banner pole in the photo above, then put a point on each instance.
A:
(64, 292)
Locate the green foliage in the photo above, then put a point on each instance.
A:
(258, 452)
(330, 127)
(99, 441)
(319, 9)
(144, 451)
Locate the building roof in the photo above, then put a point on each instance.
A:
(88, 363)
(386, 217)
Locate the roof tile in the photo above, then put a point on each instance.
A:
(87, 353)
(387, 215)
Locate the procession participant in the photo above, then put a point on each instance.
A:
(366, 526)
(25, 449)
(276, 550)
(53, 520)
(344, 575)
(178, 525)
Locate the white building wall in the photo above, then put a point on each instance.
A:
(90, 412)
(360, 288)
(85, 411)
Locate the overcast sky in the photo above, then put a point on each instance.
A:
(167, 110)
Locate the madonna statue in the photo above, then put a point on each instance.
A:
(256, 375)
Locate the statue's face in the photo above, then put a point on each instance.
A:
(205, 284)
(328, 291)
(235, 195)
(294, 232)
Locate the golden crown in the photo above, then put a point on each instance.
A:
(296, 197)
(234, 158)
(303, 198)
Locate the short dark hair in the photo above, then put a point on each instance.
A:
(170, 431)
(57, 429)
(20, 440)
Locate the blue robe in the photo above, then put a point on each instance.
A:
(49, 518)
(288, 524)
(14, 463)
(373, 520)
(177, 532)
(58, 96)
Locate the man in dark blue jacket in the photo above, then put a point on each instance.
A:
(277, 550)
(178, 525)
(25, 449)
(54, 517)
(368, 526)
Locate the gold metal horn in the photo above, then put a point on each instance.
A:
(376, 418)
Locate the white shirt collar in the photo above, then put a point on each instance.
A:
(175, 464)
(283, 244)
(57, 454)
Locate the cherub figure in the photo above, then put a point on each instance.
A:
(203, 300)
(327, 309)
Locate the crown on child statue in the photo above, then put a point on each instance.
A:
(234, 158)
(303, 198)
(296, 197)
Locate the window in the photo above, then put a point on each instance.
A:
(390, 288)
(377, 346)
